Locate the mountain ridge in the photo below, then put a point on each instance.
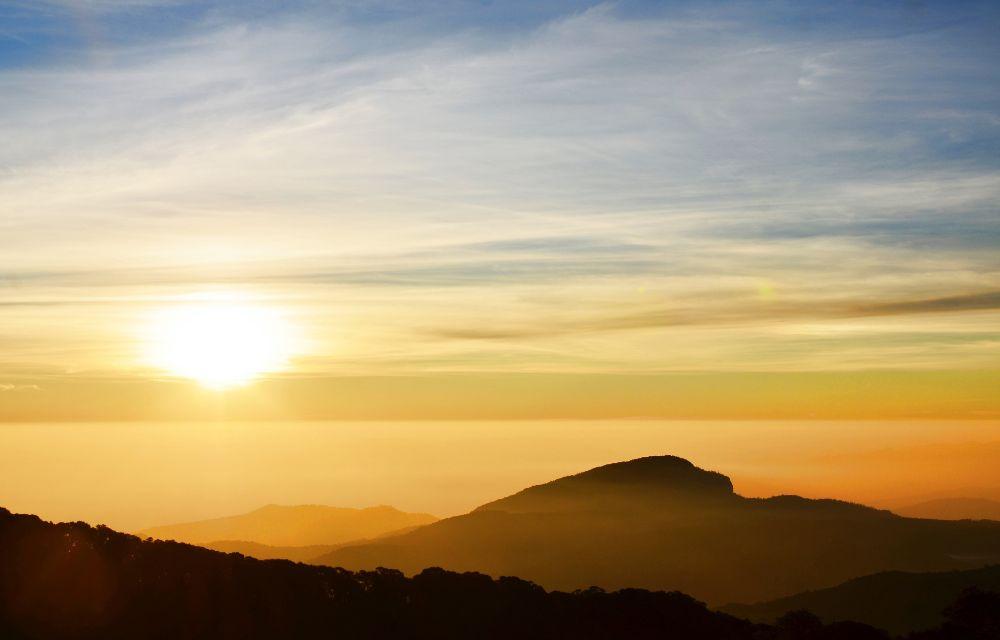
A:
(898, 601)
(636, 528)
(293, 526)
(655, 477)
(71, 581)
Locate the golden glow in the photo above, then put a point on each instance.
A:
(219, 344)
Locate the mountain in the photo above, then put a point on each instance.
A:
(899, 601)
(953, 509)
(663, 523)
(293, 526)
(645, 483)
(74, 581)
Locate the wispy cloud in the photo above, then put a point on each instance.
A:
(971, 302)
(538, 177)
(738, 311)
(19, 387)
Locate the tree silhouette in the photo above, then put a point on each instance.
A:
(72, 581)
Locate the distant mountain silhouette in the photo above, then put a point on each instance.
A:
(898, 601)
(74, 581)
(293, 526)
(662, 523)
(622, 486)
(953, 509)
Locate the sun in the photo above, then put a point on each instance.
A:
(218, 344)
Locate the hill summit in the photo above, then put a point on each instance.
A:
(638, 483)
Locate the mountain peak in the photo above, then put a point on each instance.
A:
(666, 471)
(620, 485)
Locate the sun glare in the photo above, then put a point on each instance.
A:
(219, 344)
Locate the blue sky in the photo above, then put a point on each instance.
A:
(555, 186)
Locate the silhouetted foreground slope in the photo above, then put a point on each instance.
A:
(898, 601)
(74, 581)
(662, 523)
(293, 526)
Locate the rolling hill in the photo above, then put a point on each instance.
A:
(898, 601)
(73, 581)
(662, 523)
(293, 526)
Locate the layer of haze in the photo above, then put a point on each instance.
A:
(136, 475)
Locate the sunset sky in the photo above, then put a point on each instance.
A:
(500, 209)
